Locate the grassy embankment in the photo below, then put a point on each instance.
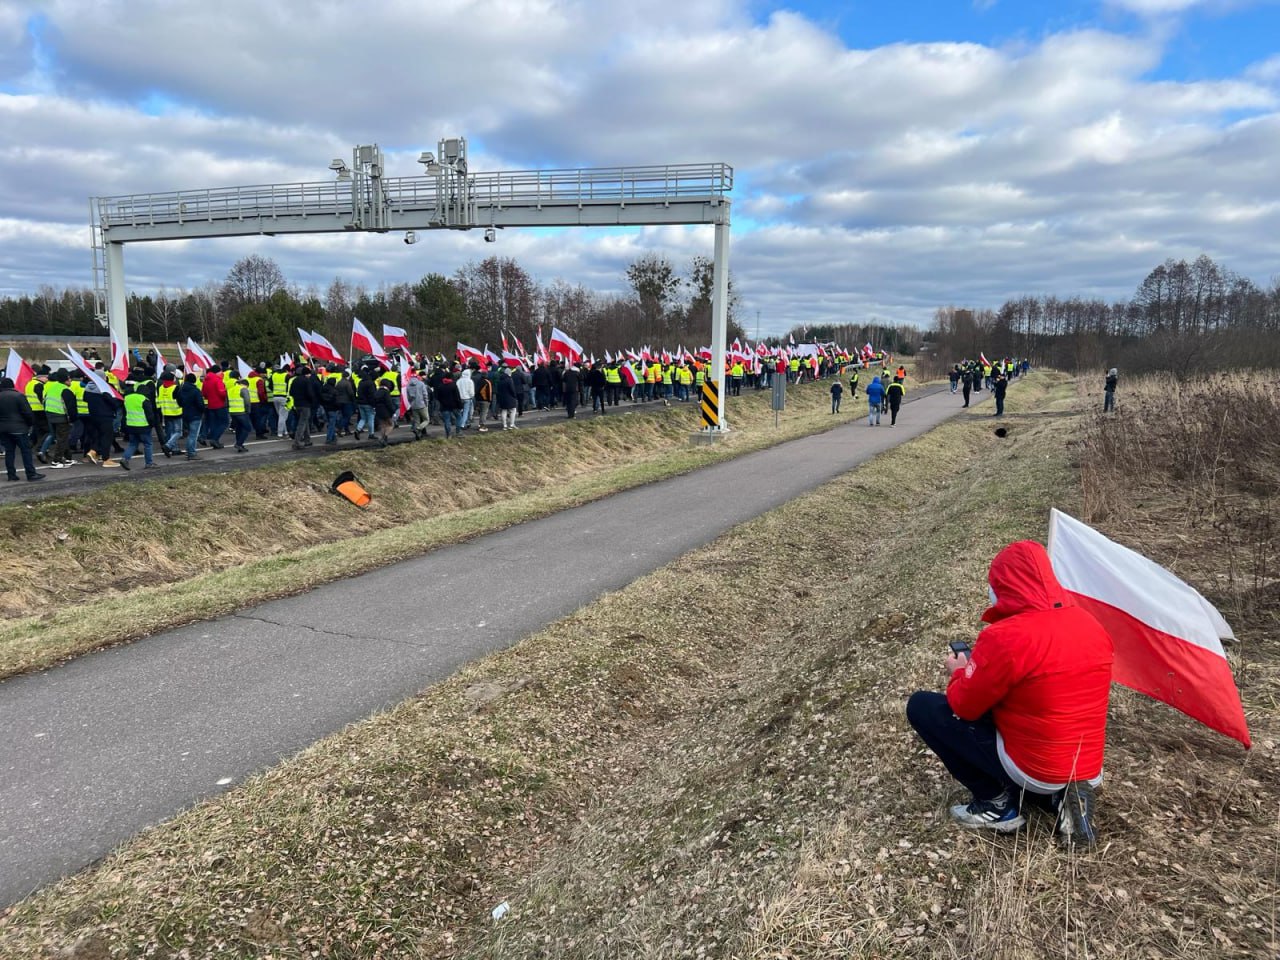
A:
(714, 761)
(140, 556)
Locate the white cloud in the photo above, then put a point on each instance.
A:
(892, 179)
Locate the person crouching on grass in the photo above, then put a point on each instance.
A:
(1024, 717)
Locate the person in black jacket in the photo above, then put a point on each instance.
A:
(100, 427)
(385, 409)
(540, 381)
(569, 384)
(306, 397)
(508, 398)
(445, 390)
(999, 384)
(597, 382)
(1109, 391)
(966, 384)
(191, 399)
(16, 421)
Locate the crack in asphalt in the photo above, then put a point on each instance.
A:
(327, 633)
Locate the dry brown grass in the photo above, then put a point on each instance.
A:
(714, 762)
(147, 556)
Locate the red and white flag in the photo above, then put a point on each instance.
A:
(363, 340)
(466, 353)
(982, 359)
(194, 357)
(1167, 637)
(405, 373)
(564, 345)
(322, 349)
(511, 359)
(119, 357)
(542, 351)
(395, 338)
(159, 361)
(18, 370)
(519, 346)
(629, 375)
(491, 359)
(83, 366)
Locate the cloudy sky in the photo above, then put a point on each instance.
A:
(890, 158)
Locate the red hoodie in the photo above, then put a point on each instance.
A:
(1043, 669)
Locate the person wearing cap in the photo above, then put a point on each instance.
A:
(16, 421)
(305, 395)
(139, 417)
(240, 406)
(191, 400)
(1109, 391)
(59, 408)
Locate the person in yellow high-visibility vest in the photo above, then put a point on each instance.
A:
(168, 407)
(139, 415)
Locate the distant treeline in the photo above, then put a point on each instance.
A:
(254, 310)
(1184, 317)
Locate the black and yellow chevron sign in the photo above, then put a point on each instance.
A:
(710, 403)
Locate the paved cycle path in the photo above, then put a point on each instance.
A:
(101, 747)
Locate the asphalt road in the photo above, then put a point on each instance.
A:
(107, 744)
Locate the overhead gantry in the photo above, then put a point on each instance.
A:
(447, 196)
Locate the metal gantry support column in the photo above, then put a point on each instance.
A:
(117, 318)
(720, 310)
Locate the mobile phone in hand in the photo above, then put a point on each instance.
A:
(960, 648)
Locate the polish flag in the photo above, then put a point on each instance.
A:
(1167, 637)
(18, 370)
(506, 347)
(119, 357)
(395, 338)
(466, 353)
(629, 375)
(982, 359)
(322, 349)
(194, 357)
(362, 339)
(511, 359)
(405, 373)
(491, 359)
(519, 346)
(83, 366)
(565, 345)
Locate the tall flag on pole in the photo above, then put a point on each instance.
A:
(565, 345)
(83, 366)
(466, 353)
(363, 340)
(159, 361)
(395, 338)
(542, 351)
(405, 373)
(242, 368)
(18, 370)
(119, 357)
(194, 357)
(1167, 637)
(629, 375)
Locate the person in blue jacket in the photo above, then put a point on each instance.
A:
(875, 398)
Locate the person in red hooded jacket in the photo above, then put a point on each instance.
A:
(1025, 712)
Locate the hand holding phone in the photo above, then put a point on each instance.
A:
(959, 656)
